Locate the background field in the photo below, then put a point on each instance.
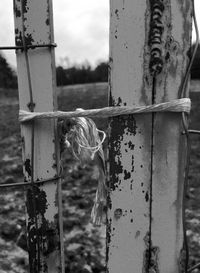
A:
(84, 244)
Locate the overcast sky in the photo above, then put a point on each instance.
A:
(81, 29)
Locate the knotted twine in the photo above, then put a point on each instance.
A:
(83, 137)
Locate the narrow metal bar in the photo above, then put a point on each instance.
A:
(193, 268)
(24, 184)
(45, 237)
(27, 46)
(146, 159)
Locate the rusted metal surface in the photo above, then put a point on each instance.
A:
(43, 201)
(149, 44)
(169, 143)
(130, 141)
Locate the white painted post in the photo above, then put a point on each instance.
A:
(149, 41)
(36, 74)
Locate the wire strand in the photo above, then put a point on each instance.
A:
(186, 131)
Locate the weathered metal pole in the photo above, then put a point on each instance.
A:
(36, 81)
(149, 44)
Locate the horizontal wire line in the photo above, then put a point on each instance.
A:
(27, 47)
(30, 183)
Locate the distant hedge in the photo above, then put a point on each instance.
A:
(195, 71)
(82, 74)
(8, 77)
(78, 74)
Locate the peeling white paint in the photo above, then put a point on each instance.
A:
(161, 175)
(39, 30)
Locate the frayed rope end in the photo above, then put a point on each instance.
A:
(83, 137)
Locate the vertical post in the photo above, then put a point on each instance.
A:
(149, 42)
(36, 81)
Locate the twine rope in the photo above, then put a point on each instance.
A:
(83, 136)
(179, 105)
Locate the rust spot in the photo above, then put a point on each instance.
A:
(18, 39)
(126, 45)
(24, 6)
(118, 213)
(117, 13)
(116, 34)
(137, 234)
(17, 11)
(132, 163)
(108, 234)
(27, 165)
(131, 185)
(119, 126)
(108, 238)
(40, 205)
(151, 256)
(131, 145)
(50, 243)
(119, 101)
(127, 175)
(42, 234)
(167, 57)
(147, 196)
(109, 202)
(29, 39)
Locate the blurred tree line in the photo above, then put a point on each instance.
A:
(8, 77)
(82, 74)
(195, 71)
(78, 74)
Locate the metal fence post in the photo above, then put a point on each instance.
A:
(36, 81)
(149, 44)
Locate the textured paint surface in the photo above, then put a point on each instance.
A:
(149, 42)
(43, 203)
(169, 143)
(130, 141)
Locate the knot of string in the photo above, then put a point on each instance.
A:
(82, 135)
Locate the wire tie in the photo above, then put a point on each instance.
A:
(31, 106)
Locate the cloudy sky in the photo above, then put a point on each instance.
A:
(81, 29)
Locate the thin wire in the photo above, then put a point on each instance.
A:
(31, 107)
(193, 267)
(27, 46)
(24, 184)
(185, 126)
